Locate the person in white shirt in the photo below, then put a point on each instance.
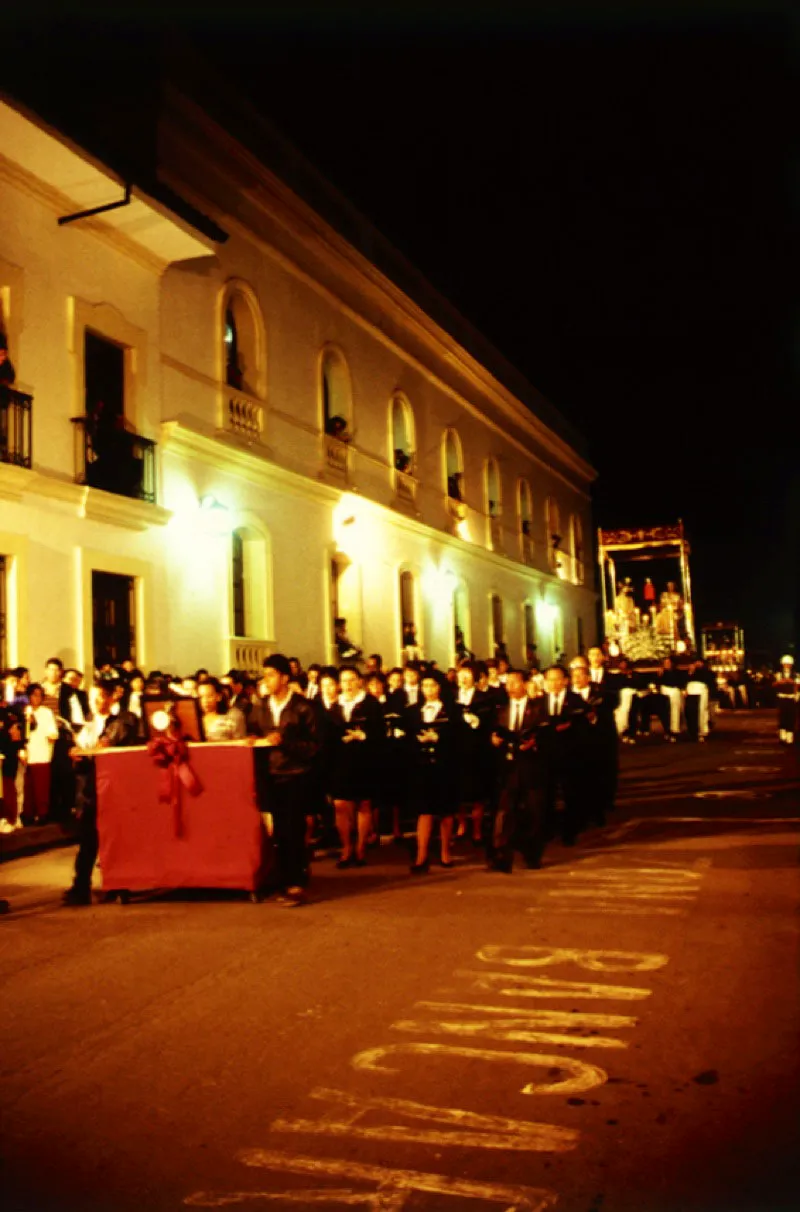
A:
(41, 732)
(411, 685)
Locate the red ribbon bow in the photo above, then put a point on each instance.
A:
(171, 755)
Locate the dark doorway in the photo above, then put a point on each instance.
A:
(3, 625)
(113, 614)
(104, 370)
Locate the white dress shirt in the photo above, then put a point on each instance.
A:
(277, 708)
(430, 711)
(517, 714)
(556, 703)
(348, 705)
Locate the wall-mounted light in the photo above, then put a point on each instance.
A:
(210, 504)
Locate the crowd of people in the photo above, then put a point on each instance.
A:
(506, 759)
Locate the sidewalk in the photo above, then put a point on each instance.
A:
(33, 839)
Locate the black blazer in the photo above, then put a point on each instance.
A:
(300, 742)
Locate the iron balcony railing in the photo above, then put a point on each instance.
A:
(115, 460)
(16, 412)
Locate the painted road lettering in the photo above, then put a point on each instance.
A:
(584, 1076)
(592, 961)
(394, 1188)
(513, 984)
(465, 1129)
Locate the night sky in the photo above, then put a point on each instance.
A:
(612, 201)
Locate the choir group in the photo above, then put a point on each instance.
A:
(505, 759)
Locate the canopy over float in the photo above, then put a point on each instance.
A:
(643, 619)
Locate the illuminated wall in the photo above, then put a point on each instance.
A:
(254, 458)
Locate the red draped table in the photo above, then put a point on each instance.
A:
(213, 839)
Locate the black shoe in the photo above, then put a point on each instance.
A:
(76, 896)
(5, 907)
(420, 868)
(568, 840)
(502, 865)
(442, 863)
(358, 862)
(398, 840)
(344, 863)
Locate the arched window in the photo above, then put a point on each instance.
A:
(529, 633)
(576, 543)
(554, 539)
(461, 623)
(401, 435)
(494, 505)
(454, 466)
(408, 610)
(493, 491)
(250, 584)
(498, 626)
(243, 340)
(336, 395)
(525, 507)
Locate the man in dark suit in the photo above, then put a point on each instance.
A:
(603, 682)
(597, 746)
(284, 760)
(559, 743)
(519, 819)
(103, 731)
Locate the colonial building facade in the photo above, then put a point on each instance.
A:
(239, 414)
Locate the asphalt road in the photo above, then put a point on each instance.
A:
(614, 1033)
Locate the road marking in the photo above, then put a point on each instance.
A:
(584, 1076)
(468, 1129)
(545, 1018)
(592, 960)
(511, 984)
(511, 1032)
(394, 1188)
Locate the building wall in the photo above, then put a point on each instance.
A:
(306, 292)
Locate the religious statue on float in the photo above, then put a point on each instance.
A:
(626, 608)
(669, 620)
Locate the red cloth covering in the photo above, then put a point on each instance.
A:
(218, 843)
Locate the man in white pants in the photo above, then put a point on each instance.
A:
(671, 684)
(699, 686)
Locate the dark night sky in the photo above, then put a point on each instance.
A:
(609, 199)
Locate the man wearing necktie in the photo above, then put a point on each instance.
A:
(598, 747)
(559, 750)
(519, 821)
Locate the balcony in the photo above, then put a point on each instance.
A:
(405, 487)
(244, 416)
(115, 460)
(247, 655)
(16, 412)
(337, 455)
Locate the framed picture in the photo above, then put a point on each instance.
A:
(185, 712)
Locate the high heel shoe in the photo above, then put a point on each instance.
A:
(442, 863)
(420, 868)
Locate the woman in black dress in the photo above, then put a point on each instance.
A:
(475, 711)
(433, 782)
(356, 729)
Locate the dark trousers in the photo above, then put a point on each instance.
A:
(647, 706)
(288, 801)
(519, 819)
(62, 784)
(88, 839)
(567, 822)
